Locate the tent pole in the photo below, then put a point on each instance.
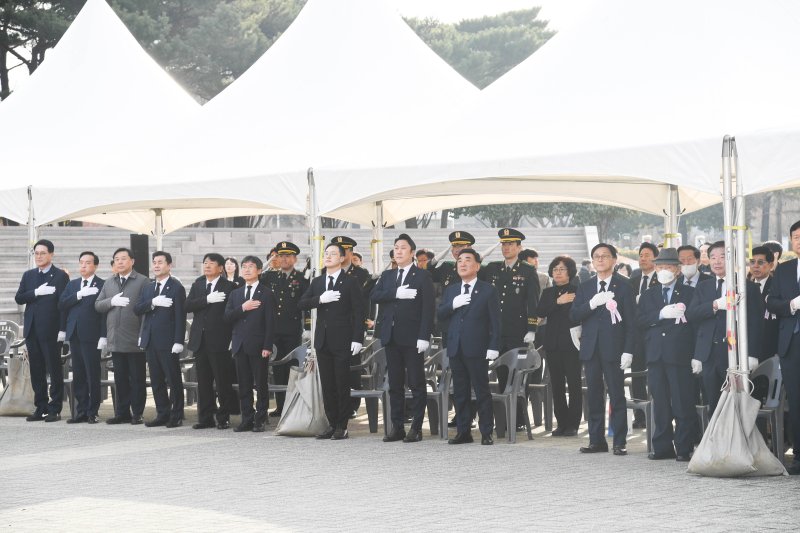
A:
(158, 231)
(671, 219)
(377, 239)
(316, 240)
(741, 263)
(33, 231)
(730, 264)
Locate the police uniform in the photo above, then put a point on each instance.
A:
(445, 274)
(287, 288)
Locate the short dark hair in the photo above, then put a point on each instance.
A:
(338, 247)
(650, 246)
(694, 250)
(112, 262)
(775, 246)
(253, 259)
(358, 255)
(794, 227)
(765, 251)
(718, 244)
(47, 244)
(609, 247)
(430, 255)
(420, 252)
(471, 252)
(572, 268)
(408, 239)
(586, 262)
(94, 255)
(528, 253)
(161, 253)
(215, 257)
(123, 249)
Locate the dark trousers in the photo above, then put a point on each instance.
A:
(45, 360)
(472, 373)
(713, 375)
(253, 371)
(285, 344)
(565, 368)
(790, 370)
(598, 370)
(85, 376)
(214, 369)
(165, 371)
(402, 362)
(672, 393)
(130, 371)
(334, 372)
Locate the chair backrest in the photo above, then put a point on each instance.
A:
(508, 360)
(771, 370)
(299, 354)
(9, 333)
(435, 369)
(379, 369)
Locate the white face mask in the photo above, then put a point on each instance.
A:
(688, 271)
(665, 277)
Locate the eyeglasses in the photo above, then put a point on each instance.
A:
(559, 269)
(601, 257)
(759, 262)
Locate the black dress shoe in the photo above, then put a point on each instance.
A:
(683, 458)
(486, 439)
(461, 438)
(35, 417)
(522, 427)
(558, 432)
(397, 434)
(92, 419)
(223, 424)
(136, 420)
(661, 455)
(327, 434)
(620, 450)
(208, 424)
(595, 448)
(570, 432)
(154, 423)
(244, 426)
(794, 468)
(53, 417)
(340, 434)
(122, 419)
(276, 413)
(452, 423)
(174, 423)
(78, 420)
(259, 427)
(353, 415)
(414, 435)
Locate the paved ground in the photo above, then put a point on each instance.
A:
(101, 478)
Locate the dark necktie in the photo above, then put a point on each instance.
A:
(399, 278)
(85, 282)
(158, 288)
(688, 282)
(330, 283)
(208, 288)
(666, 295)
(719, 287)
(644, 285)
(122, 282)
(466, 288)
(247, 294)
(602, 286)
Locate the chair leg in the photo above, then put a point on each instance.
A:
(648, 421)
(433, 416)
(444, 409)
(372, 414)
(511, 416)
(548, 408)
(500, 419)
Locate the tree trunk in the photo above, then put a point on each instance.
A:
(445, 218)
(765, 205)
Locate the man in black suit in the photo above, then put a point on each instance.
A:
(707, 311)
(762, 264)
(605, 307)
(406, 306)
(642, 279)
(585, 274)
(162, 337)
(252, 310)
(85, 329)
(669, 342)
(689, 257)
(40, 290)
(209, 341)
(784, 301)
(339, 335)
(472, 308)
(288, 285)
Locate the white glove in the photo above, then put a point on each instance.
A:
(308, 274)
(177, 348)
(461, 300)
(753, 362)
(529, 337)
(625, 361)
(422, 345)
(162, 301)
(102, 343)
(62, 336)
(404, 293)
(355, 347)
(216, 297)
(601, 298)
(794, 305)
(720, 303)
(672, 311)
(329, 296)
(44, 289)
(87, 291)
(491, 355)
(118, 300)
(697, 366)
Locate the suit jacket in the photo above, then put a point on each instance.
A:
(287, 291)
(711, 326)
(636, 281)
(769, 325)
(782, 291)
(122, 323)
(664, 340)
(476, 327)
(598, 333)
(703, 277)
(405, 321)
(42, 311)
(338, 323)
(253, 331)
(162, 326)
(81, 316)
(557, 337)
(208, 320)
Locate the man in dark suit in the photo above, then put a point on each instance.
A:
(209, 340)
(585, 274)
(162, 337)
(445, 273)
(251, 309)
(784, 301)
(85, 328)
(689, 257)
(339, 335)
(472, 308)
(406, 306)
(605, 307)
(707, 312)
(40, 290)
(761, 266)
(642, 279)
(669, 342)
(288, 285)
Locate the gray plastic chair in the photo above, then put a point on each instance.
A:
(298, 355)
(773, 407)
(519, 368)
(645, 405)
(437, 376)
(376, 364)
(541, 396)
(10, 342)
